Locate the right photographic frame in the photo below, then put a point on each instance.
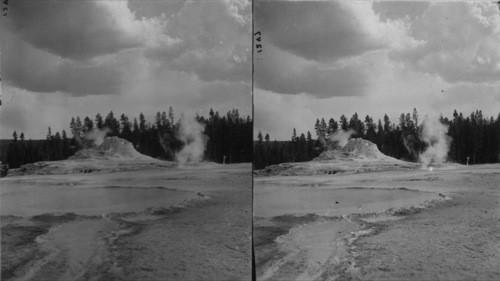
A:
(376, 140)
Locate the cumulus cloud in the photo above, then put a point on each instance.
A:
(295, 25)
(216, 66)
(240, 10)
(32, 69)
(215, 41)
(393, 10)
(322, 48)
(459, 42)
(103, 47)
(151, 9)
(398, 56)
(76, 29)
(327, 30)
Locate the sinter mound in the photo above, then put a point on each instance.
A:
(111, 147)
(112, 155)
(355, 149)
(357, 156)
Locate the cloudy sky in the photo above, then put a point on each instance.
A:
(325, 59)
(66, 58)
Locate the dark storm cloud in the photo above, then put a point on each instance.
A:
(103, 47)
(286, 73)
(28, 68)
(74, 29)
(317, 48)
(313, 30)
(192, 55)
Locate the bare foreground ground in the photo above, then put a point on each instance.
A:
(456, 237)
(207, 237)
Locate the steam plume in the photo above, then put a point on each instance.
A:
(190, 133)
(166, 140)
(92, 138)
(96, 136)
(409, 142)
(434, 135)
(337, 140)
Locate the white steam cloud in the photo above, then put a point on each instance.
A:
(338, 139)
(190, 133)
(92, 138)
(410, 142)
(96, 136)
(165, 140)
(438, 143)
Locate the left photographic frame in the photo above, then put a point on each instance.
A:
(126, 140)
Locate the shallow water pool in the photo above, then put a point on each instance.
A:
(34, 200)
(270, 202)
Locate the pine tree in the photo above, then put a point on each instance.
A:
(13, 152)
(158, 122)
(302, 148)
(22, 150)
(72, 126)
(380, 134)
(332, 126)
(65, 144)
(415, 117)
(322, 128)
(57, 147)
(317, 128)
(126, 131)
(171, 115)
(135, 126)
(310, 145)
(78, 127)
(343, 123)
(49, 134)
(165, 121)
(111, 123)
(371, 134)
(267, 151)
(99, 122)
(357, 125)
(88, 125)
(142, 123)
(387, 124)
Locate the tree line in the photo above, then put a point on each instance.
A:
(229, 137)
(474, 136)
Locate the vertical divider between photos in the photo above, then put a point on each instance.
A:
(254, 274)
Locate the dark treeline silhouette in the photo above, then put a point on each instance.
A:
(55, 147)
(473, 136)
(229, 138)
(298, 149)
